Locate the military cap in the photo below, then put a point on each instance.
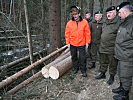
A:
(122, 5)
(98, 12)
(110, 8)
(75, 9)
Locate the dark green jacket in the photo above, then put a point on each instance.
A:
(109, 32)
(124, 40)
(96, 31)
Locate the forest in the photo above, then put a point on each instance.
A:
(46, 24)
(31, 30)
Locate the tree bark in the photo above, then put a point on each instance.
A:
(28, 33)
(24, 83)
(60, 68)
(5, 11)
(14, 16)
(42, 25)
(20, 15)
(45, 69)
(1, 5)
(27, 69)
(66, 51)
(55, 24)
(10, 9)
(91, 6)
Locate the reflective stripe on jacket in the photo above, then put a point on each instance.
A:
(77, 34)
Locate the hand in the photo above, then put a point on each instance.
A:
(68, 45)
(86, 47)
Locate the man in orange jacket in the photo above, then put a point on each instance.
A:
(78, 37)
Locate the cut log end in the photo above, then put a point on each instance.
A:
(53, 73)
(45, 72)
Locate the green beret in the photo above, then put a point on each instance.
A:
(110, 8)
(122, 5)
(98, 12)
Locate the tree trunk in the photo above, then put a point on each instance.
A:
(60, 68)
(66, 51)
(14, 16)
(10, 9)
(91, 6)
(27, 69)
(1, 5)
(54, 24)
(108, 3)
(28, 33)
(20, 15)
(117, 2)
(42, 26)
(81, 6)
(5, 11)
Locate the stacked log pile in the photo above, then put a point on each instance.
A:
(45, 69)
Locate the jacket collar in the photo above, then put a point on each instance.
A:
(128, 17)
(89, 20)
(100, 22)
(112, 21)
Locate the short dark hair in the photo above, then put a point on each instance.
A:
(88, 12)
(75, 8)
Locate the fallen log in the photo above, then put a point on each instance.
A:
(46, 68)
(37, 75)
(66, 51)
(19, 60)
(30, 67)
(60, 68)
(24, 83)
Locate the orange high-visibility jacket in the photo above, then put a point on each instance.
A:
(77, 34)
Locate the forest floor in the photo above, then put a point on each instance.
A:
(68, 87)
